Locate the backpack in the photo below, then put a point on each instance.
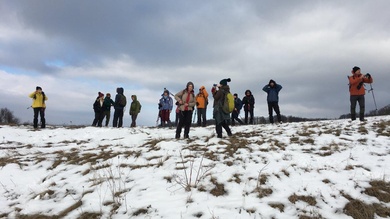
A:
(122, 100)
(228, 103)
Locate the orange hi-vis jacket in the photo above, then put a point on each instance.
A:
(202, 98)
(356, 84)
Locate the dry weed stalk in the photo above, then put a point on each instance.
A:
(189, 182)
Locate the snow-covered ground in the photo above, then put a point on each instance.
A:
(325, 169)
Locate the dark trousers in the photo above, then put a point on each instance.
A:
(41, 112)
(202, 117)
(133, 119)
(235, 114)
(357, 99)
(250, 112)
(98, 119)
(184, 121)
(118, 118)
(218, 129)
(107, 115)
(271, 107)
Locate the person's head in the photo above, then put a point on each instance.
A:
(108, 95)
(248, 93)
(235, 96)
(100, 95)
(166, 93)
(190, 86)
(271, 83)
(120, 90)
(224, 82)
(38, 89)
(133, 97)
(356, 70)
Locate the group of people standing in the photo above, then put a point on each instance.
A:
(102, 108)
(186, 100)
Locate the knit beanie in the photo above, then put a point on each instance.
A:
(100, 94)
(224, 82)
(38, 88)
(354, 69)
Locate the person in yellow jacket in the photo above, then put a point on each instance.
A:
(201, 105)
(357, 91)
(39, 106)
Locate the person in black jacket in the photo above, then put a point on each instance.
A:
(119, 106)
(249, 105)
(99, 110)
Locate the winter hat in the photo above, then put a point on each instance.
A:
(166, 92)
(190, 83)
(108, 95)
(224, 82)
(235, 95)
(354, 69)
(100, 94)
(38, 88)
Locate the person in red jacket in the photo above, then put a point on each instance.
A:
(357, 91)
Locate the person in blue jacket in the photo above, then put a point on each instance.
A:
(272, 89)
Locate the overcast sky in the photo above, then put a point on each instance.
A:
(73, 49)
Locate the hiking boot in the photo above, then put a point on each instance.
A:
(186, 136)
(177, 136)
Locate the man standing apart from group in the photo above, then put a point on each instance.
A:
(272, 89)
(186, 101)
(201, 105)
(39, 106)
(357, 91)
(222, 118)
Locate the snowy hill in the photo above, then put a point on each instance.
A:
(325, 169)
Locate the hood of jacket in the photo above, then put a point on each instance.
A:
(134, 96)
(250, 92)
(120, 90)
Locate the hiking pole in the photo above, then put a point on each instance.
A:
(158, 117)
(193, 120)
(373, 96)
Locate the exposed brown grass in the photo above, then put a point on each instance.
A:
(308, 199)
(379, 189)
(279, 206)
(219, 188)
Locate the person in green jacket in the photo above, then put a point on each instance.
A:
(135, 108)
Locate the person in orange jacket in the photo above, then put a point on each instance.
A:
(357, 91)
(201, 105)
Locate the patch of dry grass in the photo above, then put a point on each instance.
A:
(308, 199)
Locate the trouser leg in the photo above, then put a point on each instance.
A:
(35, 121)
(353, 100)
(42, 115)
(270, 113)
(362, 107)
